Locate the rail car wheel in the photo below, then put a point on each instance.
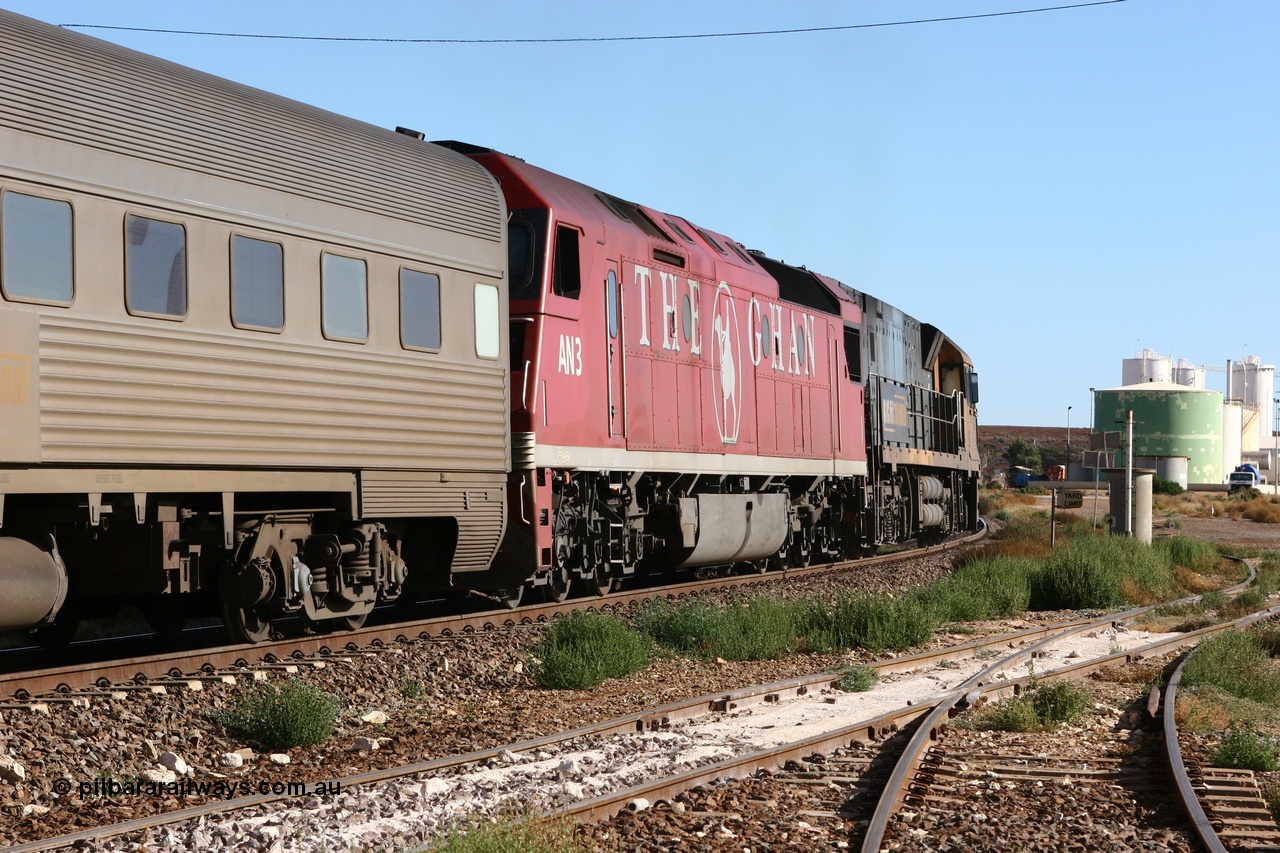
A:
(351, 623)
(510, 597)
(165, 615)
(557, 588)
(600, 582)
(245, 624)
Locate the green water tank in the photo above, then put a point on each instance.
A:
(1168, 420)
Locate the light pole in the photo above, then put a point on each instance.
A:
(1068, 476)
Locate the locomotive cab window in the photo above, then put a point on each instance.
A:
(853, 352)
(257, 284)
(155, 267)
(36, 249)
(419, 310)
(568, 275)
(344, 298)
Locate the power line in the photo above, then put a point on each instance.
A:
(673, 37)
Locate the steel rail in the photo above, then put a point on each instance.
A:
(634, 722)
(1187, 795)
(970, 692)
(927, 716)
(27, 684)
(865, 731)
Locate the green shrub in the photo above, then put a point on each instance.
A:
(583, 649)
(1075, 578)
(1237, 662)
(1014, 714)
(296, 713)
(1043, 706)
(988, 587)
(1214, 599)
(760, 629)
(885, 623)
(857, 679)
(686, 626)
(1002, 515)
(1249, 601)
(1246, 749)
(1194, 554)
(1058, 702)
(1096, 572)
(1161, 486)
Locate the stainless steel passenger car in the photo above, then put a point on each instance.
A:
(247, 347)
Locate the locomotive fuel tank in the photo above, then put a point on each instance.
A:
(733, 528)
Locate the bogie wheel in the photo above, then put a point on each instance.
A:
(600, 582)
(508, 597)
(557, 588)
(351, 623)
(246, 624)
(165, 614)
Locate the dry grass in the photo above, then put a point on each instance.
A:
(1194, 582)
(1203, 710)
(1187, 503)
(1138, 673)
(1263, 511)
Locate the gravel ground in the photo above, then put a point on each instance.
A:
(440, 698)
(985, 809)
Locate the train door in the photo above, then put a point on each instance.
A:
(613, 321)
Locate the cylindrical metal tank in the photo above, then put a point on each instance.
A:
(1169, 420)
(1148, 367)
(1232, 418)
(1142, 481)
(1173, 468)
(35, 583)
(1188, 374)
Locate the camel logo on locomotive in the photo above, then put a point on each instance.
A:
(726, 356)
(765, 338)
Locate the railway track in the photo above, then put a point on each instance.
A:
(625, 728)
(902, 781)
(183, 664)
(838, 771)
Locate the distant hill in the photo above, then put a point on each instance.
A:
(1052, 441)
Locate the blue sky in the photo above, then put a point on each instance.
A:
(1054, 190)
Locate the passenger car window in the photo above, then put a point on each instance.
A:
(35, 246)
(419, 309)
(344, 298)
(487, 328)
(257, 283)
(155, 267)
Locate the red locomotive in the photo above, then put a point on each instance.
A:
(678, 401)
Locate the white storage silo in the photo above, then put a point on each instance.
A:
(1148, 367)
(1188, 374)
(1232, 414)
